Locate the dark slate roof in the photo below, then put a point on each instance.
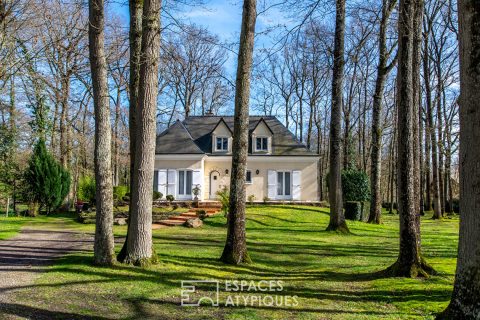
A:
(198, 130)
(176, 140)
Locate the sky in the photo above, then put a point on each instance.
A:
(222, 18)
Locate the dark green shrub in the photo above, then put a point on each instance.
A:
(49, 182)
(157, 195)
(455, 206)
(86, 189)
(353, 210)
(202, 214)
(170, 198)
(355, 186)
(119, 192)
(356, 189)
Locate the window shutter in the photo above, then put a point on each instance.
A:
(172, 182)
(162, 182)
(197, 181)
(272, 184)
(296, 185)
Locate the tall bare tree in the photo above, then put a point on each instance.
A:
(376, 152)
(104, 250)
(235, 251)
(465, 303)
(430, 127)
(337, 217)
(410, 262)
(135, 41)
(139, 243)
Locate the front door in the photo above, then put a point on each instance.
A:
(214, 184)
(184, 184)
(284, 185)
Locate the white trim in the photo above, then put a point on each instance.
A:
(283, 196)
(267, 157)
(268, 144)
(180, 156)
(221, 150)
(177, 185)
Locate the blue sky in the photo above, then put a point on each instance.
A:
(221, 18)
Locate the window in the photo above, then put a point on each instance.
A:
(248, 179)
(283, 184)
(222, 144)
(184, 182)
(262, 144)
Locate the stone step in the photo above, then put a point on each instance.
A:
(189, 214)
(207, 210)
(181, 218)
(171, 222)
(209, 205)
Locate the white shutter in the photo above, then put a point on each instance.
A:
(197, 182)
(172, 182)
(296, 185)
(272, 184)
(162, 182)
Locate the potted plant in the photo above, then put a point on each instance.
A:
(196, 192)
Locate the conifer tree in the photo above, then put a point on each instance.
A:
(49, 182)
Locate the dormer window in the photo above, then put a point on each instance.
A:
(222, 144)
(262, 144)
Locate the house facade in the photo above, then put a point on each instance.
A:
(196, 155)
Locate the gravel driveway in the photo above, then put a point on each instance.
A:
(23, 257)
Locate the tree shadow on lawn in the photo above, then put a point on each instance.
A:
(294, 208)
(124, 274)
(257, 247)
(221, 310)
(30, 312)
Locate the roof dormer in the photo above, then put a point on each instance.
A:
(262, 137)
(222, 138)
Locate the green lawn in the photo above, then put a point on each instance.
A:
(331, 274)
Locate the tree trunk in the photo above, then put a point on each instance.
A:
(431, 130)
(428, 181)
(64, 143)
(440, 128)
(104, 249)
(465, 303)
(235, 251)
(135, 39)
(116, 174)
(421, 161)
(337, 217)
(393, 170)
(139, 243)
(410, 262)
(376, 152)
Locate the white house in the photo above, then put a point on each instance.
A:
(197, 152)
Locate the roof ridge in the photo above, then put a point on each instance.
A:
(190, 135)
